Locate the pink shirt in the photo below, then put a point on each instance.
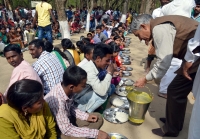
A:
(23, 71)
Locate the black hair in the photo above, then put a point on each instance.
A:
(86, 40)
(73, 75)
(66, 43)
(37, 43)
(116, 37)
(114, 34)
(2, 27)
(12, 47)
(49, 48)
(24, 93)
(81, 37)
(119, 26)
(89, 34)
(80, 45)
(92, 30)
(88, 48)
(115, 29)
(101, 50)
(114, 46)
(105, 20)
(197, 2)
(98, 27)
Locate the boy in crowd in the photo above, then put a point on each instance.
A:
(73, 123)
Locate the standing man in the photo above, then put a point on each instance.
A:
(170, 35)
(47, 66)
(43, 13)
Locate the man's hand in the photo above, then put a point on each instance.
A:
(111, 68)
(92, 118)
(141, 82)
(186, 67)
(103, 135)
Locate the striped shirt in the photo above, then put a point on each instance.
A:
(49, 70)
(62, 108)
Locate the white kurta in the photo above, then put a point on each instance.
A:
(194, 128)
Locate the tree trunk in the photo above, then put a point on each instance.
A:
(64, 27)
(107, 4)
(149, 7)
(88, 15)
(124, 12)
(142, 7)
(8, 4)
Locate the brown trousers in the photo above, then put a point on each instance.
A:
(80, 123)
(177, 93)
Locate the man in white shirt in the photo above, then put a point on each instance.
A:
(98, 79)
(158, 12)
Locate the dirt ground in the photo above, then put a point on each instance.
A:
(156, 109)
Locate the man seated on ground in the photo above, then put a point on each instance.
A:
(103, 29)
(3, 38)
(47, 66)
(100, 34)
(26, 31)
(98, 79)
(72, 122)
(93, 37)
(22, 69)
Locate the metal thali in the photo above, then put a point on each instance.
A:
(109, 115)
(124, 99)
(117, 136)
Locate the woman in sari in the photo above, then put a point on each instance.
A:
(26, 116)
(15, 38)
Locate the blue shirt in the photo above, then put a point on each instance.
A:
(105, 32)
(69, 14)
(96, 39)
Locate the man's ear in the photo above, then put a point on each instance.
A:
(143, 26)
(71, 87)
(41, 49)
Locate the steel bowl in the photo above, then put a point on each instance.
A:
(126, 52)
(126, 49)
(126, 58)
(129, 69)
(126, 63)
(121, 91)
(117, 136)
(124, 55)
(126, 73)
(127, 38)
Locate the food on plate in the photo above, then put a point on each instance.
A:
(122, 93)
(118, 102)
(121, 116)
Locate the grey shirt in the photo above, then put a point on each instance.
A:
(163, 37)
(102, 37)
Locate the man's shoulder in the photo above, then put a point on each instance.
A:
(89, 66)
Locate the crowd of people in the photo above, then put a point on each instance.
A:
(66, 88)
